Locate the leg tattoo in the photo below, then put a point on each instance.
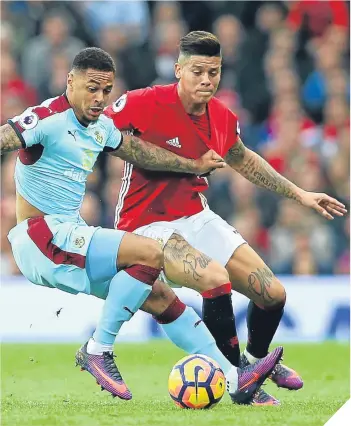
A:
(178, 250)
(260, 283)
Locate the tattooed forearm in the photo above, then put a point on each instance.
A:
(151, 157)
(260, 283)
(9, 139)
(255, 169)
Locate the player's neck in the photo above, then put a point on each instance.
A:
(189, 106)
(75, 112)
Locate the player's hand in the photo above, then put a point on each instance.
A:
(209, 162)
(326, 206)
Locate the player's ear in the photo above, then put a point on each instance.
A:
(177, 70)
(70, 80)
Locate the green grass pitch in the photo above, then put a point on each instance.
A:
(40, 386)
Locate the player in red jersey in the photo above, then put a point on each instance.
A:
(186, 118)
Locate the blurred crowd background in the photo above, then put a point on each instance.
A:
(285, 74)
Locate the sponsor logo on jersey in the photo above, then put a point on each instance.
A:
(120, 103)
(174, 142)
(77, 176)
(28, 120)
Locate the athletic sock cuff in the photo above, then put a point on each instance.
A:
(218, 291)
(174, 311)
(143, 273)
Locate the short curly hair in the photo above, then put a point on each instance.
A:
(95, 58)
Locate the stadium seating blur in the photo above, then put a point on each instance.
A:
(285, 74)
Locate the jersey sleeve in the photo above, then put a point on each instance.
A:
(237, 129)
(29, 126)
(233, 131)
(133, 110)
(115, 139)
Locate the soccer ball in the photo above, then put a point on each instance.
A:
(196, 381)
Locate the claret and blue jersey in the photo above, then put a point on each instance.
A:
(58, 155)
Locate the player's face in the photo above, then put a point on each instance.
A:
(199, 77)
(89, 93)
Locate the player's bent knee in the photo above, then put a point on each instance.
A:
(278, 297)
(220, 276)
(217, 274)
(215, 277)
(152, 254)
(138, 250)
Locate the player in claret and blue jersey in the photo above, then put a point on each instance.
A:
(58, 143)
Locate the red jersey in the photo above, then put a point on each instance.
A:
(158, 116)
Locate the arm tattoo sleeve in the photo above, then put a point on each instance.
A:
(255, 169)
(151, 157)
(9, 139)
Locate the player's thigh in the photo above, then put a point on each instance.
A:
(32, 263)
(185, 265)
(137, 249)
(101, 258)
(51, 251)
(250, 276)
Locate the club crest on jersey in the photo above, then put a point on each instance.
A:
(120, 103)
(28, 120)
(79, 242)
(99, 138)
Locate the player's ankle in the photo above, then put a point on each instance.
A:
(250, 357)
(232, 378)
(96, 348)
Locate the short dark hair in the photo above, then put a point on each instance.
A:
(95, 58)
(200, 43)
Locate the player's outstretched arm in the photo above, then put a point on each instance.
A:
(254, 168)
(9, 140)
(151, 157)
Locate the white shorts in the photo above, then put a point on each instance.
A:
(205, 231)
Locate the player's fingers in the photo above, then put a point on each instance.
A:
(326, 198)
(323, 212)
(217, 164)
(216, 157)
(325, 203)
(338, 208)
(333, 211)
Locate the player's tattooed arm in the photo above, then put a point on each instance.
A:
(151, 157)
(9, 139)
(255, 169)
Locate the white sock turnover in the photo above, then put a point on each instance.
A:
(95, 348)
(232, 380)
(250, 358)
